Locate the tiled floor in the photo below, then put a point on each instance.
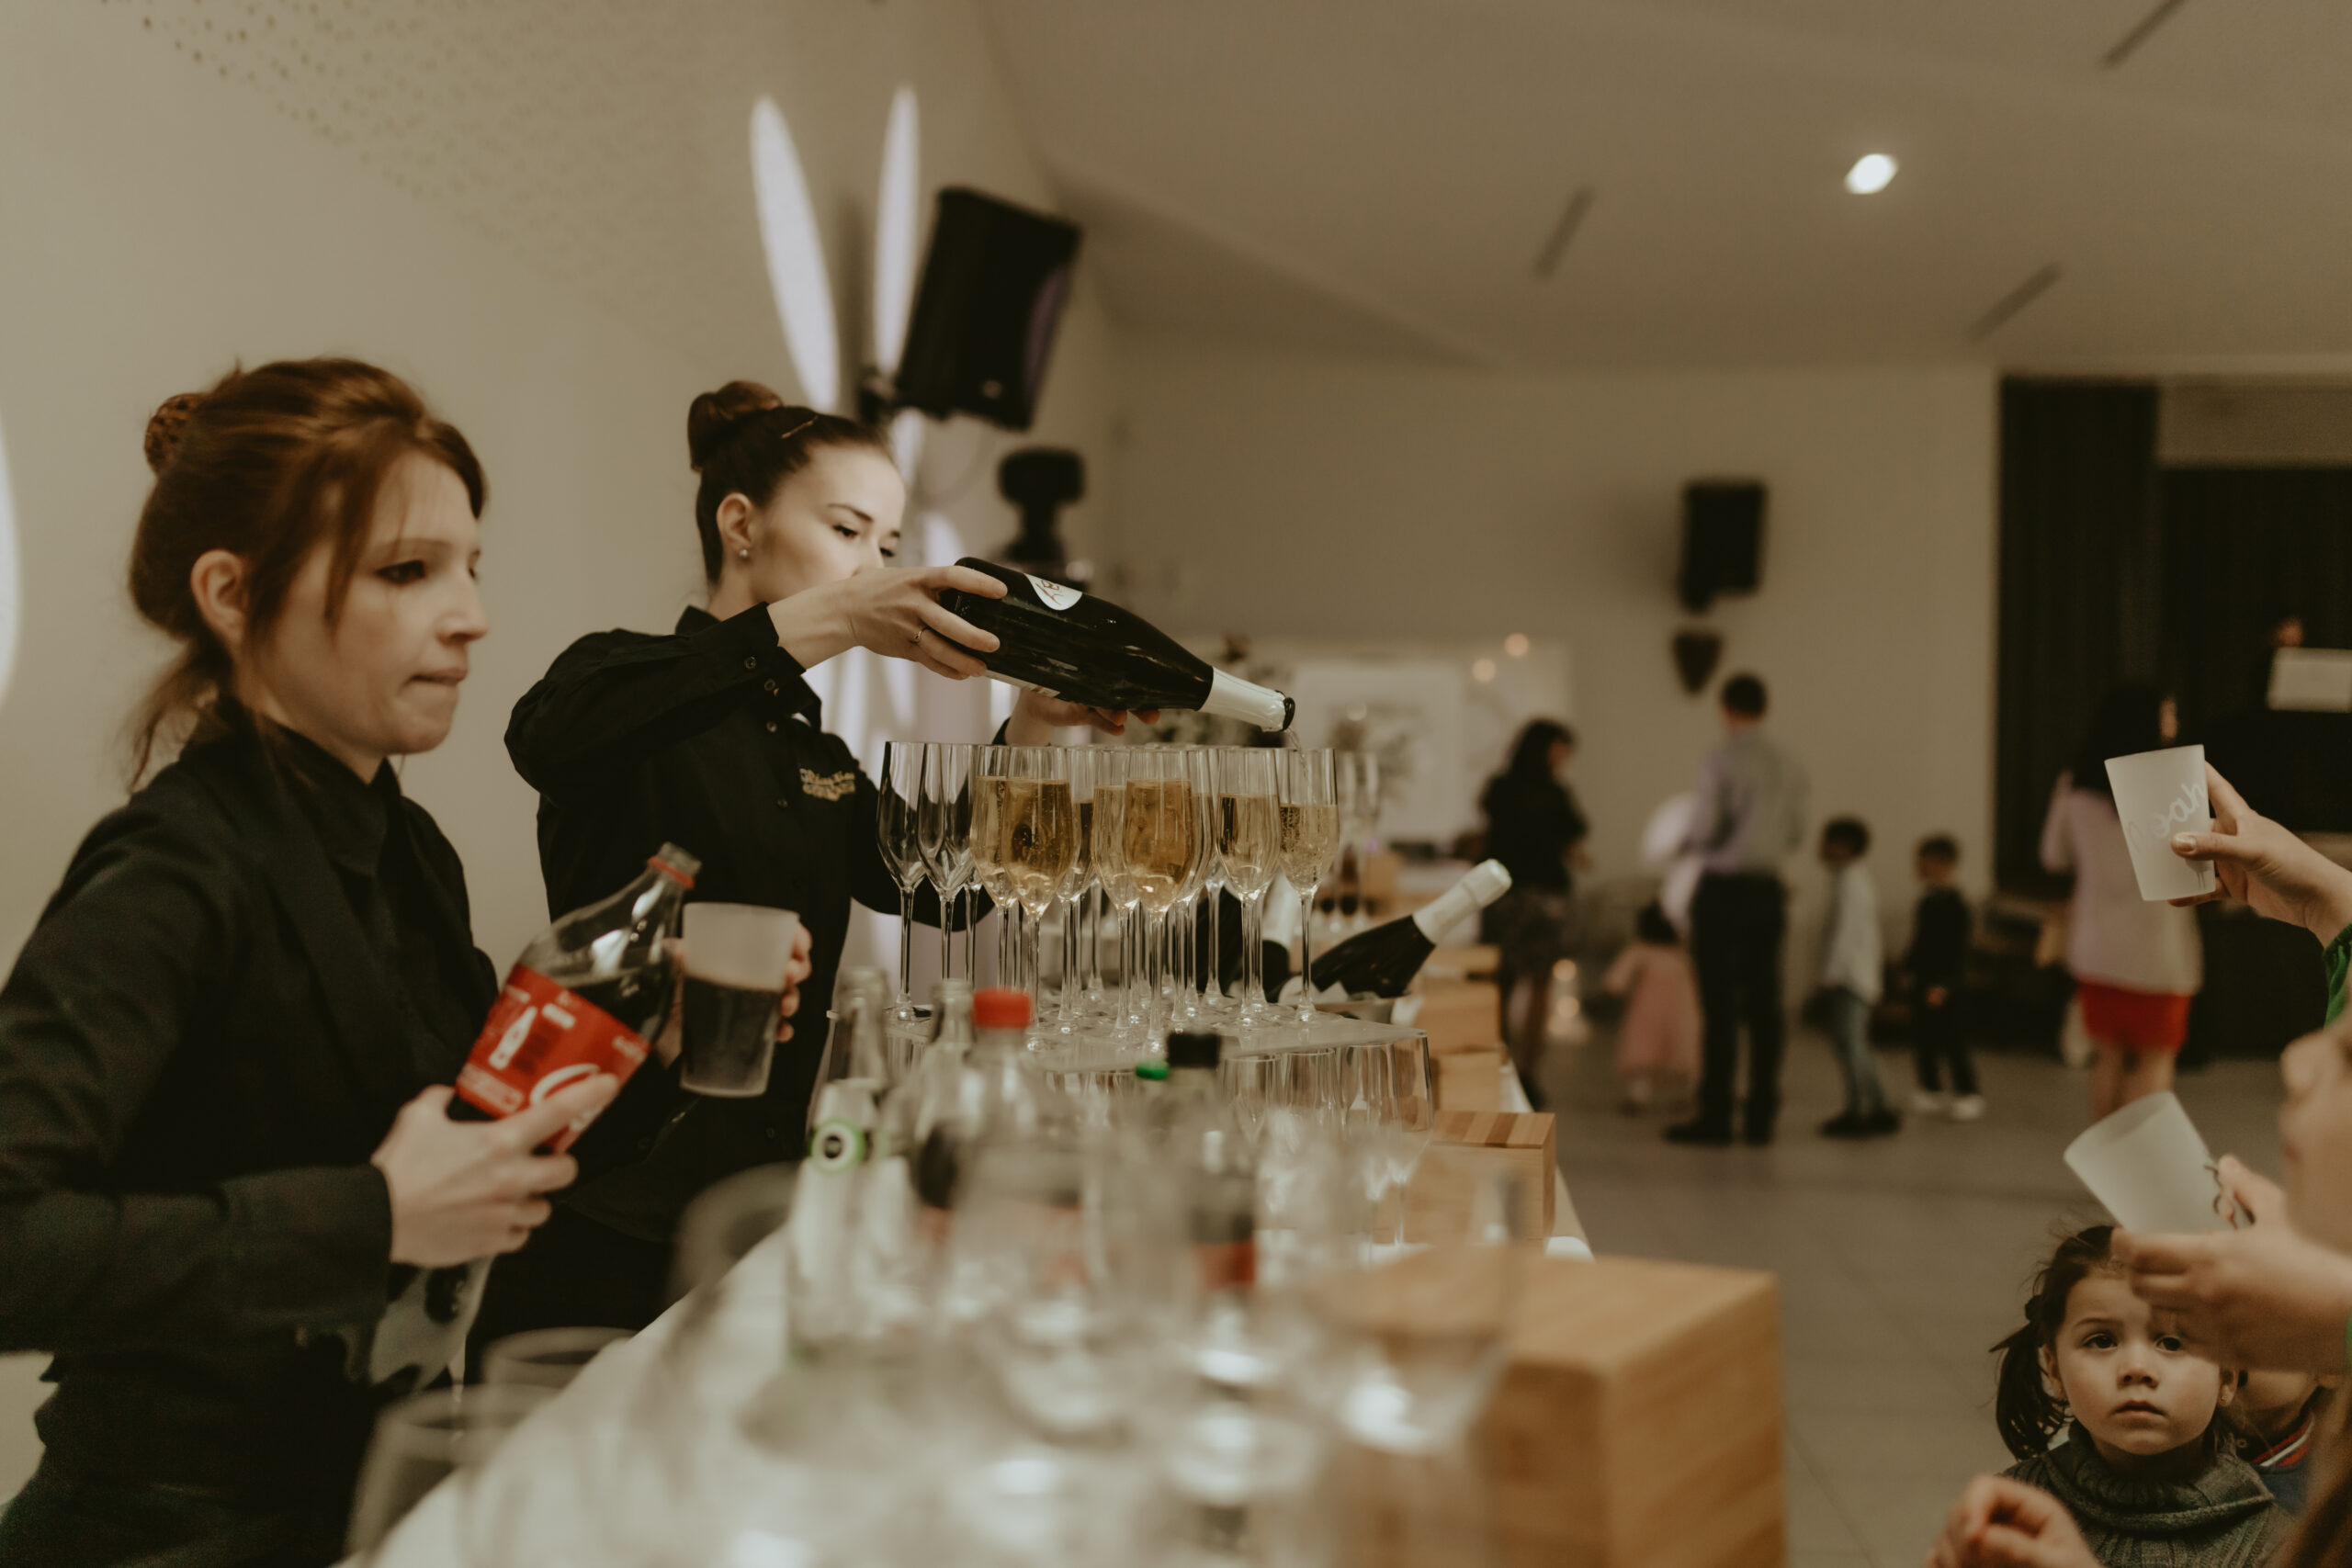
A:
(1900, 1261)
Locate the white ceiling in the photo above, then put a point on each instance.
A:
(1377, 177)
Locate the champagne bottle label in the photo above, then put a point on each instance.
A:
(539, 1038)
(1053, 594)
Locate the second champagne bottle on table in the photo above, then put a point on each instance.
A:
(1382, 961)
(1086, 649)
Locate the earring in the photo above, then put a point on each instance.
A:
(745, 552)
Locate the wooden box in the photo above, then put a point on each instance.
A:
(1454, 1013)
(1638, 1426)
(1467, 1147)
(1468, 1078)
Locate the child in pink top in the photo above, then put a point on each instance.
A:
(1657, 1047)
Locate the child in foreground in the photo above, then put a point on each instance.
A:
(2148, 1465)
(2280, 1410)
(1657, 1046)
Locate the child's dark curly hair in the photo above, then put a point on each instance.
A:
(2028, 1414)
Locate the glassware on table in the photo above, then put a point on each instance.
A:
(1113, 770)
(1161, 837)
(1356, 777)
(1249, 851)
(944, 831)
(1187, 1001)
(992, 771)
(1310, 838)
(546, 1357)
(421, 1441)
(1080, 762)
(1040, 836)
(897, 827)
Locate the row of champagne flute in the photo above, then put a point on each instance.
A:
(1151, 828)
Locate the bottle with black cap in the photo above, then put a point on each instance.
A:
(1214, 1162)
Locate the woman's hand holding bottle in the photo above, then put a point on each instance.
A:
(2263, 865)
(1038, 715)
(895, 613)
(467, 1189)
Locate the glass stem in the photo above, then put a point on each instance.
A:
(1253, 952)
(1306, 954)
(946, 936)
(906, 943)
(1215, 895)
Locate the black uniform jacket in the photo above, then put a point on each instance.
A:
(711, 739)
(205, 1038)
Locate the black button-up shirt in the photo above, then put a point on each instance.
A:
(711, 739)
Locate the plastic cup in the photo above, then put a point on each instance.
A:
(735, 959)
(2157, 794)
(2149, 1165)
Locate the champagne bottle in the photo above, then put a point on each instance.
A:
(1086, 649)
(1382, 961)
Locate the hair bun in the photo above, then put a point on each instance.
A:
(165, 426)
(716, 418)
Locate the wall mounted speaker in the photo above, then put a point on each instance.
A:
(1723, 541)
(993, 285)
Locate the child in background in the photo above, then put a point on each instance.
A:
(1657, 1047)
(1852, 973)
(2282, 1410)
(2148, 1466)
(1941, 929)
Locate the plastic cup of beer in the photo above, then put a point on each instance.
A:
(736, 955)
(2157, 794)
(2149, 1165)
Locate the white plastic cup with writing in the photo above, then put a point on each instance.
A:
(736, 955)
(2150, 1166)
(2157, 794)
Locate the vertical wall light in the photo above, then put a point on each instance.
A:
(804, 295)
(898, 218)
(9, 595)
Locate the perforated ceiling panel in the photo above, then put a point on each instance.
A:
(603, 140)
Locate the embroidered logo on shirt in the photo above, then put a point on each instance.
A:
(828, 787)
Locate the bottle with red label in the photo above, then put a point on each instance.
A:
(587, 996)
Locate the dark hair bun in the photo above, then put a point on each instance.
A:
(716, 418)
(165, 425)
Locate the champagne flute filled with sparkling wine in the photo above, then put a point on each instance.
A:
(1310, 837)
(1162, 840)
(1113, 768)
(943, 831)
(1249, 840)
(992, 770)
(1077, 884)
(1040, 843)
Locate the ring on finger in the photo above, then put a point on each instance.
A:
(917, 639)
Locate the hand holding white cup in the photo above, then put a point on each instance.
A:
(2149, 1165)
(2157, 796)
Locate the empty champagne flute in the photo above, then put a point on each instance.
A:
(1248, 853)
(1310, 836)
(943, 824)
(1356, 776)
(897, 827)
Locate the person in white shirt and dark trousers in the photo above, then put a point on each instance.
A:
(1853, 973)
(1750, 814)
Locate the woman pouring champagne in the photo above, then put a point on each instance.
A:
(709, 736)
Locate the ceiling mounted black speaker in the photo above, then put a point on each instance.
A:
(1723, 541)
(993, 284)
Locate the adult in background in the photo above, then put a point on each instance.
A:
(226, 1163)
(1536, 829)
(2136, 965)
(1750, 813)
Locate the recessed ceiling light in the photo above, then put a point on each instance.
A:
(1482, 669)
(1871, 172)
(1516, 644)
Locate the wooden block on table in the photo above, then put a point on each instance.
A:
(1469, 1079)
(1638, 1424)
(1468, 1147)
(1454, 1013)
(1640, 1420)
